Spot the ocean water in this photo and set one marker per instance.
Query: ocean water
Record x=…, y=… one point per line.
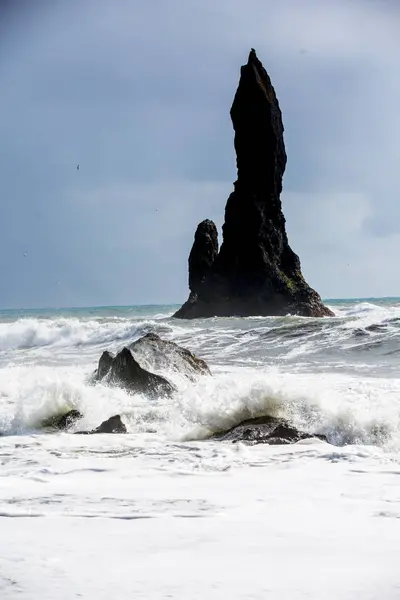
x=165, y=513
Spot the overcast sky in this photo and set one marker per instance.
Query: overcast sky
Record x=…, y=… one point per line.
x=138, y=92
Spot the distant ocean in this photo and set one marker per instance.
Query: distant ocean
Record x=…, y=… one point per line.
x=163, y=495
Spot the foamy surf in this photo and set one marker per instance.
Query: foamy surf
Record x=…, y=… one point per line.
x=347, y=409
x=165, y=490
x=25, y=334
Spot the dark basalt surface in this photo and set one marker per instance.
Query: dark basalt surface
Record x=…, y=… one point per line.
x=156, y=353
x=125, y=371
x=255, y=272
x=265, y=430
x=203, y=254
x=133, y=367
x=111, y=425
x=63, y=422
x=67, y=420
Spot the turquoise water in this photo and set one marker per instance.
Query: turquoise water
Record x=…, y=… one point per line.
x=148, y=310
x=88, y=312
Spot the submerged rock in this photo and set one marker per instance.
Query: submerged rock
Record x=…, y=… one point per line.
x=125, y=371
x=63, y=422
x=155, y=353
x=265, y=430
x=255, y=272
x=111, y=425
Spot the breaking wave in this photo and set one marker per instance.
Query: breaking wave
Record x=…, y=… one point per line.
x=333, y=376
x=36, y=333
x=346, y=410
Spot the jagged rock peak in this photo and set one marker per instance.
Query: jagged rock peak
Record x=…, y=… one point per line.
x=255, y=272
x=257, y=122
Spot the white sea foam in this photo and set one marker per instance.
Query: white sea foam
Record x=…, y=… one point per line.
x=345, y=408
x=62, y=332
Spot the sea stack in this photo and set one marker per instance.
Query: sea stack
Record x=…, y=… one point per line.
x=255, y=271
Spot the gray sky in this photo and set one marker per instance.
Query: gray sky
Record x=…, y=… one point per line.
x=138, y=92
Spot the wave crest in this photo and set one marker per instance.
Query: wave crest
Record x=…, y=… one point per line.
x=37, y=333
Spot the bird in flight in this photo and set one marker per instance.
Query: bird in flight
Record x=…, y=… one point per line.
x=77, y=168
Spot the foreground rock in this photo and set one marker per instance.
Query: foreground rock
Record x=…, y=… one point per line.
x=125, y=371
x=111, y=425
x=265, y=430
x=154, y=353
x=255, y=272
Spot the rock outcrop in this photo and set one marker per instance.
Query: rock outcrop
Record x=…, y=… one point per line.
x=111, y=425
x=125, y=371
x=160, y=355
x=265, y=430
x=63, y=422
x=255, y=272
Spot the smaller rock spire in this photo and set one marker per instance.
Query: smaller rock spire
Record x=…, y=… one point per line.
x=203, y=254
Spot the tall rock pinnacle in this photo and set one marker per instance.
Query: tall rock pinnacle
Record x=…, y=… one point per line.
x=256, y=272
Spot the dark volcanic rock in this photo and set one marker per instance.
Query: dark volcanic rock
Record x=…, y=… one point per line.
x=105, y=362
x=125, y=371
x=265, y=430
x=256, y=272
x=203, y=254
x=155, y=353
x=111, y=425
x=64, y=421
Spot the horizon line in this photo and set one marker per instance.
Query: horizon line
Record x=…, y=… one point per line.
x=153, y=305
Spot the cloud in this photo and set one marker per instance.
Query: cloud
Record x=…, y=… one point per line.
x=139, y=93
